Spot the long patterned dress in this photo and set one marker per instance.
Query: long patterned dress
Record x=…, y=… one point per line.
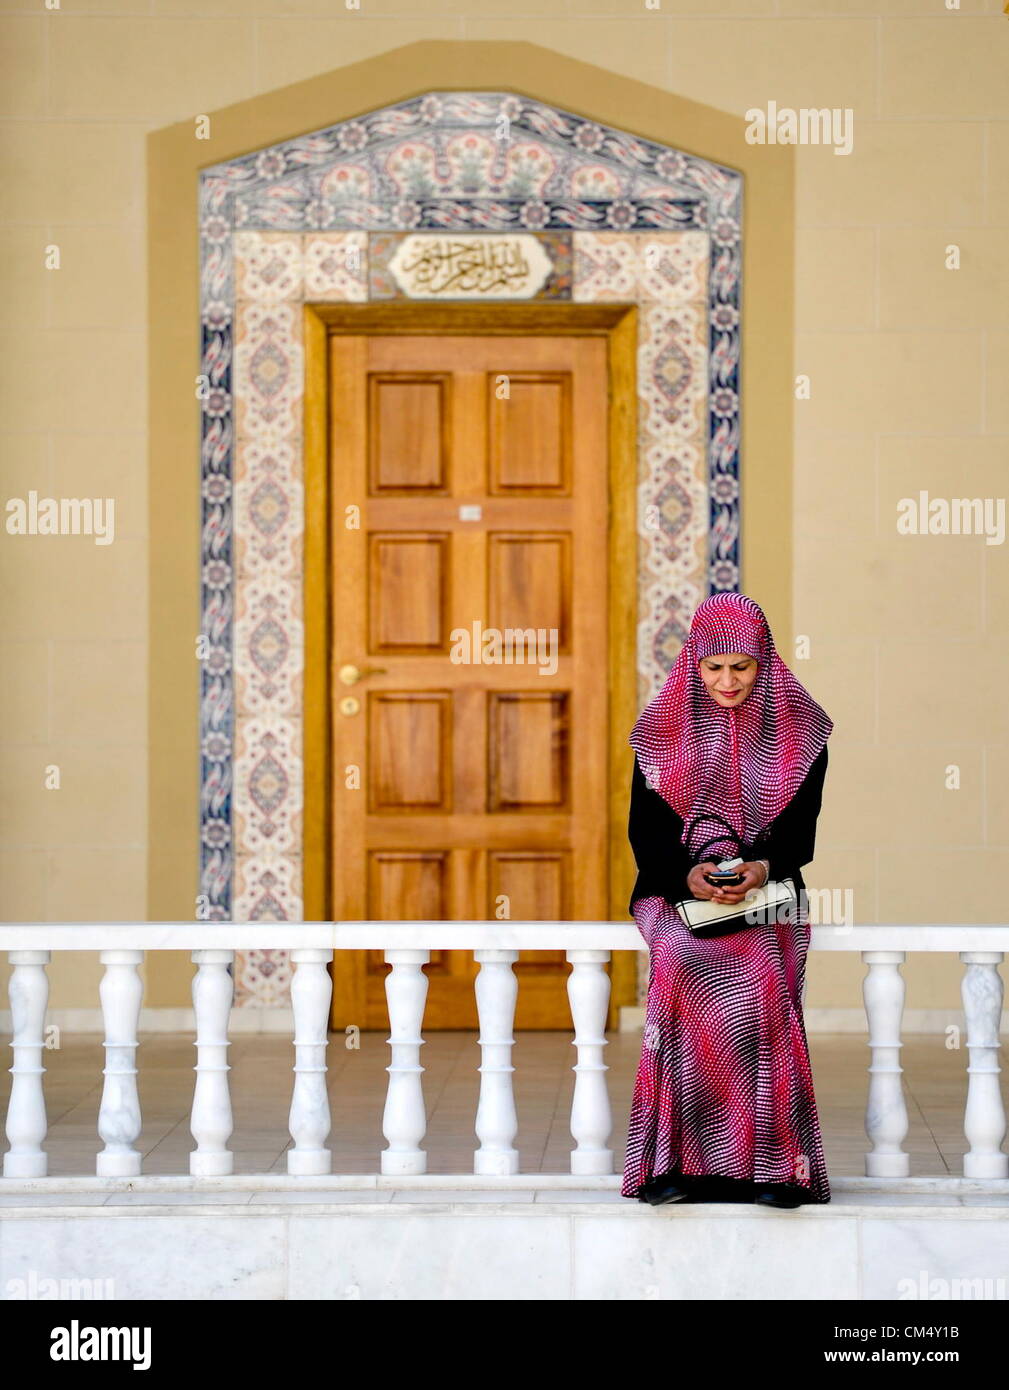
x=724, y=1086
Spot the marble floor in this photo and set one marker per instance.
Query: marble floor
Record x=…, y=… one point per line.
x=934, y=1079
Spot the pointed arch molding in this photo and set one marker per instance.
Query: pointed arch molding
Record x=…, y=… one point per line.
x=315, y=218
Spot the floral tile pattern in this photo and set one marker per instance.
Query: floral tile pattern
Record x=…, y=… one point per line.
x=336, y=266
x=315, y=219
x=268, y=267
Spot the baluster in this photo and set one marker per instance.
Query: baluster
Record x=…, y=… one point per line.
x=496, y=1121
x=404, y=1121
x=28, y=989
x=311, y=990
x=211, y=1121
x=984, y=1121
x=121, y=991
x=591, y=1121
x=886, y=1114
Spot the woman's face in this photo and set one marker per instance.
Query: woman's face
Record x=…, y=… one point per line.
x=729, y=679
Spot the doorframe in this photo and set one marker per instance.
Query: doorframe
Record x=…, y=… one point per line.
x=617, y=323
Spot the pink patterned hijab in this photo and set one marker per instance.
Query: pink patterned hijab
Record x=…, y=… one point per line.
x=742, y=763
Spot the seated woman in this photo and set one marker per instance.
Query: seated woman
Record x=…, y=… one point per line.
x=730, y=762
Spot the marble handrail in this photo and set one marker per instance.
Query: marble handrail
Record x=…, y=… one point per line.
x=407, y=947
x=473, y=935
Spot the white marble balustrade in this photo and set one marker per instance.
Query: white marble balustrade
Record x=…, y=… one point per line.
x=407, y=946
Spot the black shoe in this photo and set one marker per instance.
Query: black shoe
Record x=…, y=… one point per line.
x=785, y=1195
x=661, y=1190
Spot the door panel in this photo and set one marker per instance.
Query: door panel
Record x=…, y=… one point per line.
x=468, y=505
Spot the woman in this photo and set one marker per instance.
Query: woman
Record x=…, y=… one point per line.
x=730, y=761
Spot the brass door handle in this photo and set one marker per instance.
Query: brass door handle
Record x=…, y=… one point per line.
x=350, y=675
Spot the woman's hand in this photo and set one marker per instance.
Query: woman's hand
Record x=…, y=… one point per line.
x=753, y=877
x=697, y=883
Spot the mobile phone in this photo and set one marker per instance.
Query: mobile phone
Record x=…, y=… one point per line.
x=726, y=880
x=726, y=874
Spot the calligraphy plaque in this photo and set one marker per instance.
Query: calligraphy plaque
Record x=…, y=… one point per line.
x=437, y=266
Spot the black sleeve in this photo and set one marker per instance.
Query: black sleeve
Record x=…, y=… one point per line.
x=789, y=840
x=654, y=830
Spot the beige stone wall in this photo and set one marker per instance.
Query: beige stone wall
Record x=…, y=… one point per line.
x=905, y=358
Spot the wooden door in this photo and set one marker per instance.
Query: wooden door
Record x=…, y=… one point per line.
x=468, y=486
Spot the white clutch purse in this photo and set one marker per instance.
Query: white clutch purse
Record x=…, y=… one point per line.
x=776, y=901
